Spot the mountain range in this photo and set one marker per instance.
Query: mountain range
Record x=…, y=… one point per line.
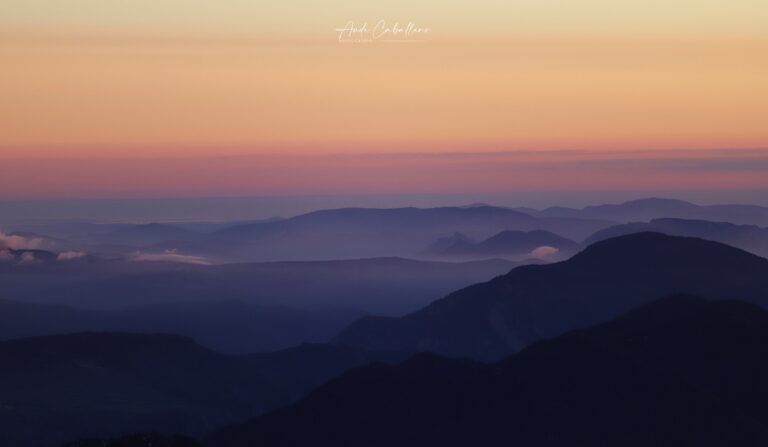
x=347, y=233
x=368, y=232
x=493, y=319
x=557, y=368
x=58, y=388
x=351, y=233
x=679, y=371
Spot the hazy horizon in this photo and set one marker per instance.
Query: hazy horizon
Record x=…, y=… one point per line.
x=223, y=209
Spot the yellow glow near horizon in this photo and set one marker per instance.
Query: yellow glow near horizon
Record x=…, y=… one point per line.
x=87, y=78
x=165, y=97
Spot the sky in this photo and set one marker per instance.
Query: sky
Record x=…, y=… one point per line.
x=234, y=97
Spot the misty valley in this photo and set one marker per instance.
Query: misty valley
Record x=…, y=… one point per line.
x=640, y=323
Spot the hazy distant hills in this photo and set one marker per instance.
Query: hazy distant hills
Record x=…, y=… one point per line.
x=347, y=233
x=493, y=319
x=518, y=245
x=367, y=232
x=390, y=285
x=58, y=388
x=647, y=209
x=350, y=233
x=747, y=237
x=680, y=371
x=232, y=308
x=86, y=229
x=142, y=235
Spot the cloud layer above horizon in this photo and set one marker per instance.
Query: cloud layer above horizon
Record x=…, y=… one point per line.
x=385, y=173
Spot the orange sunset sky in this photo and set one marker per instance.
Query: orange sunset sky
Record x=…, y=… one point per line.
x=234, y=97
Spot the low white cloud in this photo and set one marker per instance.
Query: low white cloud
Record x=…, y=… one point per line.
x=69, y=255
x=17, y=242
x=169, y=256
x=18, y=258
x=7, y=256
x=27, y=258
x=544, y=252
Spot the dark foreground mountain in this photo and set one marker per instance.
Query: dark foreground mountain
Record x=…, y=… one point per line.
x=516, y=245
x=491, y=320
x=58, y=388
x=680, y=371
x=747, y=237
x=138, y=440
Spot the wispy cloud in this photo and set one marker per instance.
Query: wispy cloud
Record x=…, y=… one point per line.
x=543, y=252
x=69, y=255
x=169, y=256
x=20, y=258
x=286, y=174
x=27, y=258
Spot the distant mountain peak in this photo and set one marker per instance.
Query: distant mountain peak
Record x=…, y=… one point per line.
x=751, y=238
x=479, y=205
x=657, y=201
x=650, y=246
x=645, y=209
x=512, y=244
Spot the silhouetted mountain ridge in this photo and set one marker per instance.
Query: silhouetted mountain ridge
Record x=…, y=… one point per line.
x=747, y=237
x=58, y=388
x=679, y=371
x=493, y=319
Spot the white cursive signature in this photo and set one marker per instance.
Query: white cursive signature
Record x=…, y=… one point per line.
x=381, y=32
